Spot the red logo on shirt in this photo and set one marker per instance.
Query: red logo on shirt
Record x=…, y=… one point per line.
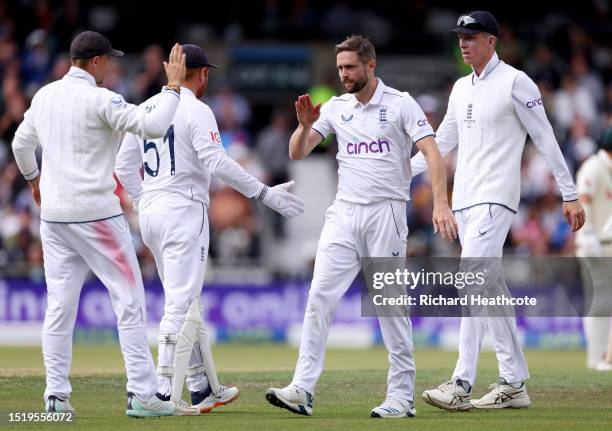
x=215, y=137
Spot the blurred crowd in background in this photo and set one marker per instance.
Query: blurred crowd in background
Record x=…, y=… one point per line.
x=567, y=53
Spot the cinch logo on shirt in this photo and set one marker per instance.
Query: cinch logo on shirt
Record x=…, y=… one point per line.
x=534, y=103
x=368, y=147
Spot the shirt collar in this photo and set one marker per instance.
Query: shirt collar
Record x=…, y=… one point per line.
x=376, y=97
x=603, y=155
x=492, y=64
x=76, y=72
x=186, y=91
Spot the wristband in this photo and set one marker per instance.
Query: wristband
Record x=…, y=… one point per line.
x=263, y=193
x=174, y=87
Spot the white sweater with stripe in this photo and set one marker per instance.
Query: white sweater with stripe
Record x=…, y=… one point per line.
x=80, y=127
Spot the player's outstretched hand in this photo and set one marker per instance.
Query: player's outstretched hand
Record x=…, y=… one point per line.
x=280, y=199
x=307, y=113
x=444, y=222
x=574, y=214
x=175, y=67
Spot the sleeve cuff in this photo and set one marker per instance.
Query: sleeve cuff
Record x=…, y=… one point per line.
x=31, y=175
x=262, y=194
x=322, y=136
x=424, y=135
x=169, y=90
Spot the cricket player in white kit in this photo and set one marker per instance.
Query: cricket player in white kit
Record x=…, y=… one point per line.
x=490, y=112
x=594, y=180
x=172, y=201
x=375, y=126
x=79, y=127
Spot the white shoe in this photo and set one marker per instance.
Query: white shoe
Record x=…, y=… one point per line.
x=449, y=396
x=502, y=396
x=604, y=366
x=55, y=404
x=152, y=407
x=183, y=408
x=292, y=398
x=393, y=408
x=225, y=396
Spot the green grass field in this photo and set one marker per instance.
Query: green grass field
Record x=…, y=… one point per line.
x=565, y=396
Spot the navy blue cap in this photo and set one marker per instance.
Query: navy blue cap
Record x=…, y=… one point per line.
x=89, y=44
x=196, y=57
x=477, y=22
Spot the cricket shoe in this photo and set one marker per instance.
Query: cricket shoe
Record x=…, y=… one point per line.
x=183, y=408
x=55, y=404
x=393, y=409
x=603, y=366
x=292, y=398
x=449, y=395
x=153, y=407
x=503, y=395
x=205, y=400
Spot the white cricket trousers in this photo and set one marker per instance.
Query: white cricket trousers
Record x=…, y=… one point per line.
x=105, y=246
x=175, y=229
x=482, y=232
x=352, y=232
x=597, y=330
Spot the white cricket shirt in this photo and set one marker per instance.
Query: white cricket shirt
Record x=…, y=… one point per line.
x=595, y=180
x=80, y=127
x=183, y=160
x=374, y=143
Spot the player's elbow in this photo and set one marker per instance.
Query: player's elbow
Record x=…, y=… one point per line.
x=19, y=146
x=16, y=146
x=120, y=174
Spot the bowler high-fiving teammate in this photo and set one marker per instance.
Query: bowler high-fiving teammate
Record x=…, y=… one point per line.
x=375, y=126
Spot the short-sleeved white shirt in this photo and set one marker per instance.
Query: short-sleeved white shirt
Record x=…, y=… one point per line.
x=374, y=143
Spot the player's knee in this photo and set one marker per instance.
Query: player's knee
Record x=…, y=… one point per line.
x=175, y=312
x=128, y=317
x=319, y=303
x=60, y=312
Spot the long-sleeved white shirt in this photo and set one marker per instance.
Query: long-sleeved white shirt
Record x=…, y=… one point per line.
x=183, y=160
x=527, y=102
x=80, y=127
x=594, y=180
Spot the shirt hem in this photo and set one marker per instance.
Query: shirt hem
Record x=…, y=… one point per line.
x=484, y=203
x=374, y=201
x=81, y=221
